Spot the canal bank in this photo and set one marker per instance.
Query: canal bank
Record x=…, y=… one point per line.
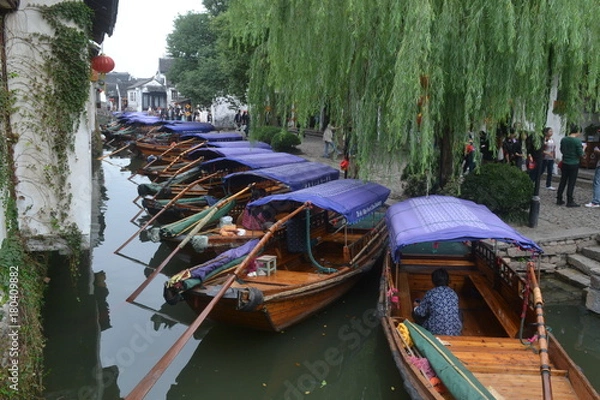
x=563, y=233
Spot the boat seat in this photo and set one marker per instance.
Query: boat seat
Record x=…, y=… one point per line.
x=497, y=304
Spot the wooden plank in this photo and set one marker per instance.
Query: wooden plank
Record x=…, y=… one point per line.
x=484, y=342
x=524, y=386
x=497, y=305
x=283, y=277
x=404, y=299
x=513, y=369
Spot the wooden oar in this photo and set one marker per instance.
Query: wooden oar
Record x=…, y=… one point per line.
x=538, y=302
x=199, y=225
x=114, y=152
x=143, y=387
x=158, y=214
x=184, y=168
x=185, y=189
x=162, y=154
x=183, y=154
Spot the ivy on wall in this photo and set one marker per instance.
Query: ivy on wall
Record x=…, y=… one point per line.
x=61, y=92
x=49, y=91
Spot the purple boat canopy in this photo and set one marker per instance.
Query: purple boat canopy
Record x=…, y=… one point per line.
x=252, y=161
x=239, y=143
x=213, y=136
x=308, y=174
x=354, y=199
x=210, y=153
x=188, y=127
x=139, y=118
x=445, y=218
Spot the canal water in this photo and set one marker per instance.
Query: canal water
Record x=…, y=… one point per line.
x=100, y=346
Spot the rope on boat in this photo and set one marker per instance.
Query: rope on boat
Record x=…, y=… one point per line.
x=526, y=292
x=309, y=248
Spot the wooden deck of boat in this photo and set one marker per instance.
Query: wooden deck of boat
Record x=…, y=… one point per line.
x=507, y=368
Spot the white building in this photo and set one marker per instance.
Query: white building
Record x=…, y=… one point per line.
x=39, y=205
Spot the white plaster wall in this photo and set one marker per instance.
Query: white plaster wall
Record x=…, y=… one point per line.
x=34, y=198
x=2, y=221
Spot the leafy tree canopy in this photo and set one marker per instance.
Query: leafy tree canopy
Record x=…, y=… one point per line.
x=206, y=64
x=405, y=74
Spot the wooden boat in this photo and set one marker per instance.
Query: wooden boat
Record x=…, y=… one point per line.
x=279, y=179
x=504, y=351
x=310, y=257
x=156, y=145
x=197, y=155
x=216, y=169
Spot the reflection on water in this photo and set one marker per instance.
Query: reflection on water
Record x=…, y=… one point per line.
x=341, y=353
x=576, y=328
x=100, y=347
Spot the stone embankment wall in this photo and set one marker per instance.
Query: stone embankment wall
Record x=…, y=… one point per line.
x=574, y=258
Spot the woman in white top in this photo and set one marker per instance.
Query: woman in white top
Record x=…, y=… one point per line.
x=549, y=156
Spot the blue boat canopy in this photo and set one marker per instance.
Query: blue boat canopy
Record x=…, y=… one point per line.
x=445, y=218
x=252, y=161
x=210, y=153
x=188, y=126
x=309, y=174
x=354, y=199
x=240, y=143
x=139, y=118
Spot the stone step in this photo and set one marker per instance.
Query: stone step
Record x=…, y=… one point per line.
x=584, y=264
x=573, y=276
x=592, y=252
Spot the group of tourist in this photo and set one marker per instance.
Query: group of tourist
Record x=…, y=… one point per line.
x=512, y=151
x=572, y=149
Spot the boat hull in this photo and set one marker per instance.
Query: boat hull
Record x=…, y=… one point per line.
x=278, y=312
x=508, y=367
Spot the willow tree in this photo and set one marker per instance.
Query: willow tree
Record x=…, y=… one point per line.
x=412, y=76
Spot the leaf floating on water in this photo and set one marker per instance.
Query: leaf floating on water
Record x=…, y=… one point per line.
x=323, y=383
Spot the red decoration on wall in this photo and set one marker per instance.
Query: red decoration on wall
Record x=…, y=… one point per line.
x=103, y=64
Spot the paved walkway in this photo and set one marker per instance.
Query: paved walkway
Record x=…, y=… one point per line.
x=554, y=222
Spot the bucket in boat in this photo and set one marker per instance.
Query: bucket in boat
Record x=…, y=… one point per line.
x=226, y=220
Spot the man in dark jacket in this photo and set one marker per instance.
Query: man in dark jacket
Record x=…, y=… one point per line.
x=572, y=150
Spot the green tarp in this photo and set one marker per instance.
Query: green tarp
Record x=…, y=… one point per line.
x=456, y=377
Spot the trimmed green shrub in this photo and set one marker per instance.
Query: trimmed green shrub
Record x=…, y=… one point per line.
x=264, y=133
x=285, y=141
x=420, y=184
x=505, y=190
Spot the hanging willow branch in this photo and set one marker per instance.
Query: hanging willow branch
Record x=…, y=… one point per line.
x=404, y=73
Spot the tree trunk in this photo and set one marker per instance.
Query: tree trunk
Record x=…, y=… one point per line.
x=446, y=157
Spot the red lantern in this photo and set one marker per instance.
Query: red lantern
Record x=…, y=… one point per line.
x=103, y=64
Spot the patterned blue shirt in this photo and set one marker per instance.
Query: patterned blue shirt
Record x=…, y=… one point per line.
x=440, y=308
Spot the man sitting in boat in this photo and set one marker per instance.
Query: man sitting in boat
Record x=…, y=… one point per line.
x=438, y=312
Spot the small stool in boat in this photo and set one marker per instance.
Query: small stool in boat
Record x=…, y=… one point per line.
x=267, y=264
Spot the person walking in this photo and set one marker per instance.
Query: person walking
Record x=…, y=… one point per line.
x=549, y=156
x=595, y=203
x=572, y=150
x=329, y=141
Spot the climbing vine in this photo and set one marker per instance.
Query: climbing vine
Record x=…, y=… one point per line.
x=62, y=90
x=39, y=115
